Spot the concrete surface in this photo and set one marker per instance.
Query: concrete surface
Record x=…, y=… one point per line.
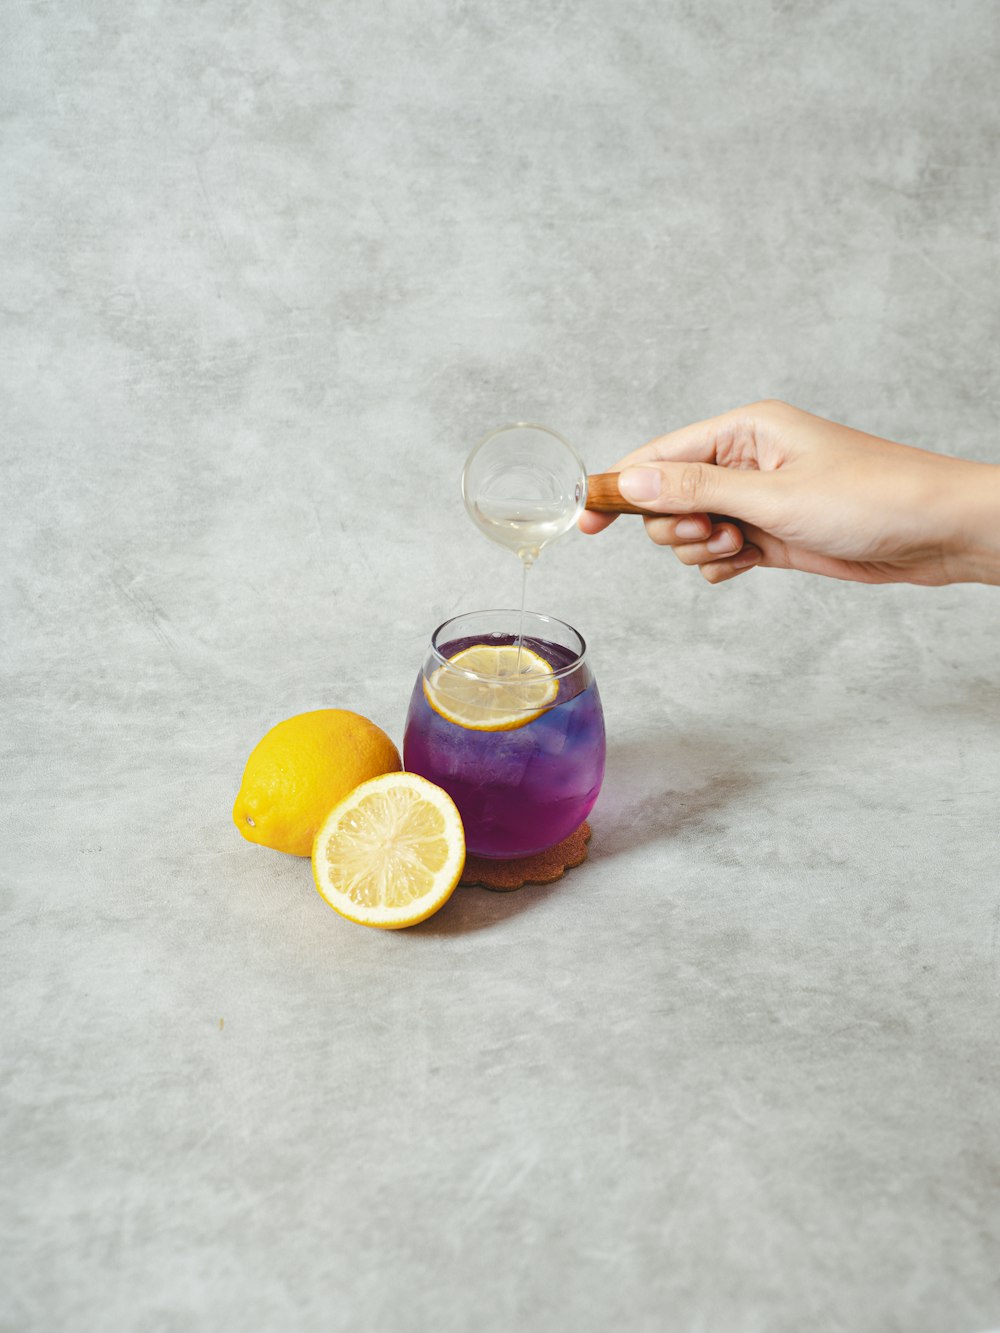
x=268, y=270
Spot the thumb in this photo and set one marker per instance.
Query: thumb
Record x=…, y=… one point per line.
x=700, y=488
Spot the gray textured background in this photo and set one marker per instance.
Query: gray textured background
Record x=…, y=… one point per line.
x=268, y=270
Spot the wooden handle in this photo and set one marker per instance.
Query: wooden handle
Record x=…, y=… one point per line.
x=604, y=496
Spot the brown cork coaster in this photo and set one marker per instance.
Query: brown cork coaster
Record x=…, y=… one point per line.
x=542, y=868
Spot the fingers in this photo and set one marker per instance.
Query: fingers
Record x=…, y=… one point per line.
x=678, y=529
x=721, y=555
x=591, y=522
x=664, y=531
x=720, y=571
x=718, y=548
x=721, y=540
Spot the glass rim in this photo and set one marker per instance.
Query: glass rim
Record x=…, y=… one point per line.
x=559, y=674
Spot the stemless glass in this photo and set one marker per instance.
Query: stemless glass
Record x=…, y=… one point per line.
x=523, y=777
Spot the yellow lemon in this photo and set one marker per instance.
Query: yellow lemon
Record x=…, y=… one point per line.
x=301, y=769
x=486, y=687
x=391, y=853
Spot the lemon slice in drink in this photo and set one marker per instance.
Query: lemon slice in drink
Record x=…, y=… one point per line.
x=391, y=853
x=484, y=688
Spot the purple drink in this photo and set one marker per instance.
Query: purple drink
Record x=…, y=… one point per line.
x=524, y=788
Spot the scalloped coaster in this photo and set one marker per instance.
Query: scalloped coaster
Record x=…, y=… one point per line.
x=542, y=868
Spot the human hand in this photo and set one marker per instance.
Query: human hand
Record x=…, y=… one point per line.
x=772, y=485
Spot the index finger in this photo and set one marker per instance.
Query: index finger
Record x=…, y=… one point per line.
x=698, y=443
x=590, y=521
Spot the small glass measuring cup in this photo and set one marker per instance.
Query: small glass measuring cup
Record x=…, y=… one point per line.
x=525, y=485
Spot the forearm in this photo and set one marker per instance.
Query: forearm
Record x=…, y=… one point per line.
x=975, y=504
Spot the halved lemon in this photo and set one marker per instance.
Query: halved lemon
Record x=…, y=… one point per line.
x=391, y=853
x=484, y=688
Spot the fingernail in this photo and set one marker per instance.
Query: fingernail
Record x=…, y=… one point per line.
x=721, y=542
x=639, y=484
x=690, y=527
x=747, y=557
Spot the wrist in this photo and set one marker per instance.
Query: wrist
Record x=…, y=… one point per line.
x=974, y=551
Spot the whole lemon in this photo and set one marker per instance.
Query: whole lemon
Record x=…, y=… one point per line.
x=301, y=769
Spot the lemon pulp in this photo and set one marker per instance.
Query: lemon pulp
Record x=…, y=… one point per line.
x=486, y=688
x=391, y=853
